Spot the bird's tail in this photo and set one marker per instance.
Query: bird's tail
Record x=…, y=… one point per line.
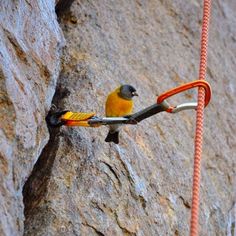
x=113, y=137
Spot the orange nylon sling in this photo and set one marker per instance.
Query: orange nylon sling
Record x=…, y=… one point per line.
x=199, y=121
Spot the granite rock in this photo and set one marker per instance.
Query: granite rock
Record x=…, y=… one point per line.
x=81, y=185
x=143, y=185
x=30, y=43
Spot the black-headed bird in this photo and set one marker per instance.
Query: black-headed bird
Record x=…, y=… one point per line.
x=119, y=103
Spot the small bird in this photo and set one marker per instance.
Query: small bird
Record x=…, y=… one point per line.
x=119, y=103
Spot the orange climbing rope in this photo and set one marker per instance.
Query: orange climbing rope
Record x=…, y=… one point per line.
x=199, y=121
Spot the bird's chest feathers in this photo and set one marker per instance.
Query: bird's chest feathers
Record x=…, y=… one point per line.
x=117, y=106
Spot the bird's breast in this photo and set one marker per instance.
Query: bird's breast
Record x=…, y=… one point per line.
x=117, y=106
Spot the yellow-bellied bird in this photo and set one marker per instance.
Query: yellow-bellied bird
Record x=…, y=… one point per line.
x=119, y=103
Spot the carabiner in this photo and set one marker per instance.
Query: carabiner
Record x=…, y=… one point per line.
x=184, y=87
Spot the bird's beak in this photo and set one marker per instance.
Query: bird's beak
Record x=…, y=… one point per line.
x=134, y=94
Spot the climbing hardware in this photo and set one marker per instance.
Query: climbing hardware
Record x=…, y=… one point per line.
x=69, y=118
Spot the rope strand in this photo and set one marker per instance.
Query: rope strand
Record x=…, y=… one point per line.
x=199, y=122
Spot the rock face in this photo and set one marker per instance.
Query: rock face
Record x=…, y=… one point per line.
x=30, y=42
x=81, y=185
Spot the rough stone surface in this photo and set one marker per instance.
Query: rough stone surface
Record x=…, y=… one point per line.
x=84, y=186
x=30, y=40
x=81, y=185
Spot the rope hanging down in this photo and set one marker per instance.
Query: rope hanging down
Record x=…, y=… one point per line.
x=199, y=121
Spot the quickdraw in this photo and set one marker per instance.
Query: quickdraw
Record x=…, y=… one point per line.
x=69, y=118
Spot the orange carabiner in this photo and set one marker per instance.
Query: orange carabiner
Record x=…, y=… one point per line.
x=184, y=87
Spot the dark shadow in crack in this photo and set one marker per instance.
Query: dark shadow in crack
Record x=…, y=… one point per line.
x=62, y=7
x=36, y=186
